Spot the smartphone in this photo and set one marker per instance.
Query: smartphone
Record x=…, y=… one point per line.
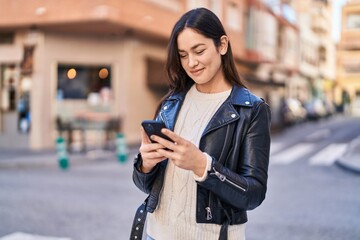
x=153, y=127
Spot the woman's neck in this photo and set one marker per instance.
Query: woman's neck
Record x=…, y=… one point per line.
x=213, y=88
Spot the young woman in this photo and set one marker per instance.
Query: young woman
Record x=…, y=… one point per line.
x=202, y=182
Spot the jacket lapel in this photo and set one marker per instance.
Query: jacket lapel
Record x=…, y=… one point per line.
x=171, y=108
x=227, y=113
x=224, y=115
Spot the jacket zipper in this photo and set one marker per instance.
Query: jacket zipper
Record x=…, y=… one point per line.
x=208, y=208
x=223, y=178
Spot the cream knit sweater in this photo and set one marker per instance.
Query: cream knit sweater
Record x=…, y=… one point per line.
x=174, y=218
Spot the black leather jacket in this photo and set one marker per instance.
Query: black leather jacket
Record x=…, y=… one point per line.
x=238, y=139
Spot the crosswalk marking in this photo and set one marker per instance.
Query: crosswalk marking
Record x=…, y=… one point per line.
x=323, y=157
x=275, y=146
x=328, y=155
x=291, y=154
x=25, y=236
x=319, y=134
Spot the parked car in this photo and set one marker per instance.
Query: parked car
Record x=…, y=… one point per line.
x=315, y=109
x=329, y=107
x=293, y=111
x=355, y=106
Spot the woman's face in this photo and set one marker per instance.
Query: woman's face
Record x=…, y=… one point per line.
x=201, y=60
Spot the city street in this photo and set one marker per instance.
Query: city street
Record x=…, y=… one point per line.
x=309, y=196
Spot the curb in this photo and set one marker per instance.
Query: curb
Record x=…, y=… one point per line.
x=351, y=159
x=49, y=160
x=347, y=166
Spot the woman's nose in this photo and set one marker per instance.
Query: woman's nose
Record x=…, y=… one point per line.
x=192, y=62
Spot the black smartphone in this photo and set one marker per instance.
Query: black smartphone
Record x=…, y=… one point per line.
x=153, y=127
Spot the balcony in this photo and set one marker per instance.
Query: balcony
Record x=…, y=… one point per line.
x=114, y=17
x=352, y=66
x=320, y=24
x=350, y=44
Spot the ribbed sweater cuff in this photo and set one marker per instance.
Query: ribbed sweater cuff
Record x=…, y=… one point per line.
x=207, y=169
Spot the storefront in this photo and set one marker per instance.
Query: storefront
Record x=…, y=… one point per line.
x=68, y=75
x=14, y=92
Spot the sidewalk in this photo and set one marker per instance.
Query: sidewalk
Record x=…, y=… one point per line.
x=351, y=159
x=25, y=158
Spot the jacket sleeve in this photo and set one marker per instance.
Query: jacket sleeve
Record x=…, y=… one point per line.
x=245, y=188
x=143, y=181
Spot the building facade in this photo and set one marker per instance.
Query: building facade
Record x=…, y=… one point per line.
x=322, y=24
x=52, y=55
x=348, y=57
x=65, y=61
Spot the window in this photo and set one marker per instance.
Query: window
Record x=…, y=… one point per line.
x=9, y=83
x=77, y=81
x=352, y=67
x=322, y=54
x=353, y=21
x=7, y=38
x=174, y=5
x=156, y=76
x=233, y=16
x=191, y=4
x=213, y=5
x=27, y=62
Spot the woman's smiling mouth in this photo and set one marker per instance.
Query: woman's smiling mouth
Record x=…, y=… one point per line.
x=197, y=72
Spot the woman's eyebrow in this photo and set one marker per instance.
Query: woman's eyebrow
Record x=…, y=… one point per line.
x=193, y=47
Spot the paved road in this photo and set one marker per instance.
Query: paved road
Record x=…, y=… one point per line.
x=88, y=202
x=309, y=197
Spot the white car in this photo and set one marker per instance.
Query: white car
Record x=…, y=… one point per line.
x=355, y=107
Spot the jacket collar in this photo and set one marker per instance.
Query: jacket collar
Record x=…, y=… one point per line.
x=241, y=96
x=238, y=96
x=226, y=113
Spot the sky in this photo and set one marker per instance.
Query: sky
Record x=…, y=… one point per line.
x=337, y=4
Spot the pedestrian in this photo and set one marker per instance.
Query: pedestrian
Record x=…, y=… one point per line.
x=201, y=183
x=12, y=95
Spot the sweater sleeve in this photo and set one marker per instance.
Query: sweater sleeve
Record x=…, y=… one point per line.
x=207, y=169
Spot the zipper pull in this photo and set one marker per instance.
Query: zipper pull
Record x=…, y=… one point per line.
x=219, y=175
x=208, y=213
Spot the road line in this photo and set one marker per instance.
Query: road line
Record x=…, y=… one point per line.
x=319, y=134
x=275, y=146
x=25, y=236
x=291, y=154
x=328, y=155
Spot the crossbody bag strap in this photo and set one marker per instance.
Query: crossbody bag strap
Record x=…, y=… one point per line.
x=225, y=226
x=137, y=228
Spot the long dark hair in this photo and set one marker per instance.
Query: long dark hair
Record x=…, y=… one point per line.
x=208, y=24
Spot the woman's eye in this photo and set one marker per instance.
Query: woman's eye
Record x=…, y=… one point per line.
x=200, y=51
x=182, y=56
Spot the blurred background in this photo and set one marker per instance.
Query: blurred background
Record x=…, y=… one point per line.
x=84, y=71
x=61, y=62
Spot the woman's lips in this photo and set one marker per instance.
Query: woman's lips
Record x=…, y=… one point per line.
x=197, y=71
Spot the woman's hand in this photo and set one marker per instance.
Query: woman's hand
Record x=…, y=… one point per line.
x=149, y=153
x=182, y=152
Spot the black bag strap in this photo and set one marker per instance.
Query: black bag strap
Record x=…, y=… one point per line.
x=137, y=228
x=225, y=226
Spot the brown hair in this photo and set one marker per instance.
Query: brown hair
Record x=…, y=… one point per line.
x=208, y=24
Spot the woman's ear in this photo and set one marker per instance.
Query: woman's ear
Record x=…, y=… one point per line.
x=224, y=43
